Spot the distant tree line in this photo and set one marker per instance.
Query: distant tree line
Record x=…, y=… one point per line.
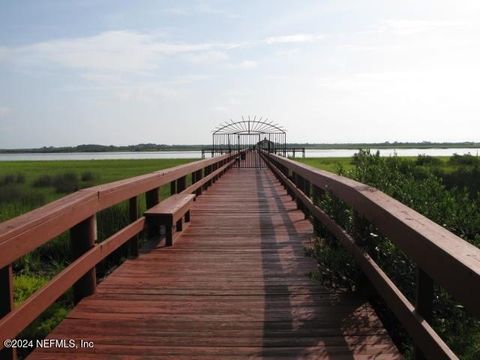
x=104, y=148
x=163, y=147
x=390, y=145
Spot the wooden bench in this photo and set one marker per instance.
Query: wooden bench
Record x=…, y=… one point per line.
x=170, y=212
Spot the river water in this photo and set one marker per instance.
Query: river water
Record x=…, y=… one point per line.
x=197, y=154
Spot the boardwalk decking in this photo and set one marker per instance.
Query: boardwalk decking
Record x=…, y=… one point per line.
x=233, y=286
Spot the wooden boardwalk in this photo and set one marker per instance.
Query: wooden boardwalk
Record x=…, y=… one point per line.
x=233, y=286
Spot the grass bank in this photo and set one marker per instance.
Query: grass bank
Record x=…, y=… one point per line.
x=25, y=185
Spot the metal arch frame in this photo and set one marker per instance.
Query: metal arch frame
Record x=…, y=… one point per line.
x=249, y=127
x=247, y=134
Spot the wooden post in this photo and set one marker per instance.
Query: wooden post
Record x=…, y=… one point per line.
x=292, y=177
x=173, y=187
x=152, y=199
x=208, y=171
x=360, y=236
x=198, y=177
x=168, y=234
x=300, y=185
x=6, y=305
x=82, y=238
x=133, y=216
x=181, y=184
x=317, y=195
x=179, y=225
x=306, y=190
x=307, y=187
x=424, y=301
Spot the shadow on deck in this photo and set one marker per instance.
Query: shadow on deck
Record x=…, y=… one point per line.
x=235, y=285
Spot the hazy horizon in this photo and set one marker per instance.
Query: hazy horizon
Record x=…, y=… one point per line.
x=168, y=72
x=207, y=144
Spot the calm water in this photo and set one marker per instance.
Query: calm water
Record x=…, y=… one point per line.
x=390, y=152
x=103, y=155
x=197, y=154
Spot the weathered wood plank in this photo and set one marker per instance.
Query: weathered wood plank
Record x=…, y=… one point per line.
x=235, y=285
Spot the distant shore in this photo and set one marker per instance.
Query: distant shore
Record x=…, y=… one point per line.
x=161, y=147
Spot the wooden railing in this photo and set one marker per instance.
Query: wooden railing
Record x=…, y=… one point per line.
x=77, y=213
x=439, y=255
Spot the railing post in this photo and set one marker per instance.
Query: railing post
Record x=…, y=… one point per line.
x=152, y=198
x=293, y=178
x=360, y=236
x=173, y=187
x=82, y=238
x=306, y=190
x=424, y=302
x=198, y=177
x=208, y=171
x=181, y=184
x=6, y=305
x=317, y=195
x=133, y=216
x=214, y=167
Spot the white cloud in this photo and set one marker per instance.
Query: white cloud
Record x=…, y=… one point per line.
x=208, y=57
x=295, y=38
x=188, y=79
x=411, y=27
x=202, y=8
x=113, y=52
x=246, y=64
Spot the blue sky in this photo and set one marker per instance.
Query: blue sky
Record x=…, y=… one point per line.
x=125, y=72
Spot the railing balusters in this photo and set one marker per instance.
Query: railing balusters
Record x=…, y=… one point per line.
x=82, y=238
x=424, y=302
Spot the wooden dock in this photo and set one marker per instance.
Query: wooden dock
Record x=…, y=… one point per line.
x=235, y=285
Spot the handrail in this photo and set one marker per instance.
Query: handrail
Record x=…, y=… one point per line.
x=24, y=233
x=76, y=212
x=439, y=255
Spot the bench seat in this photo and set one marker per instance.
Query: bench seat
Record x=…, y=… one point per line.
x=172, y=211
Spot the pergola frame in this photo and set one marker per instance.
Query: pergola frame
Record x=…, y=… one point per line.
x=249, y=133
